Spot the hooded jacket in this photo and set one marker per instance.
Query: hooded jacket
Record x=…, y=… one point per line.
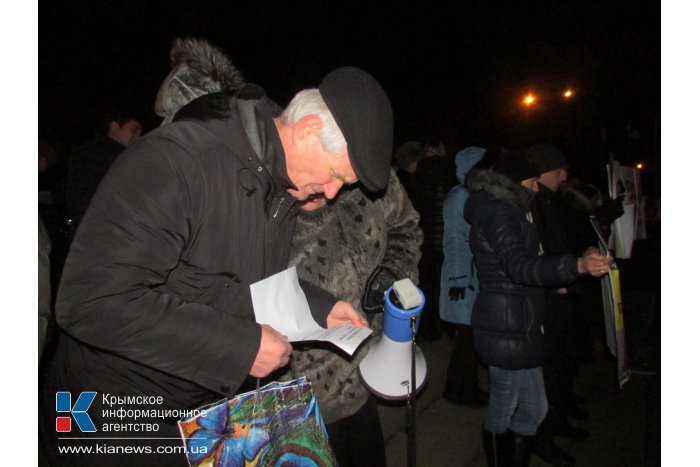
x=198, y=68
x=508, y=311
x=155, y=293
x=458, y=265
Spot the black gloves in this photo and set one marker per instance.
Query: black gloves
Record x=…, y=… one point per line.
x=611, y=209
x=456, y=293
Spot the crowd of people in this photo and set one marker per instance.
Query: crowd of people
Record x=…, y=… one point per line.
x=167, y=231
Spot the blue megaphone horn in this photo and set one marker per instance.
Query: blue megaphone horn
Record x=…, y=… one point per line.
x=386, y=369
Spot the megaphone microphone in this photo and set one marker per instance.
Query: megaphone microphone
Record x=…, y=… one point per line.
x=387, y=368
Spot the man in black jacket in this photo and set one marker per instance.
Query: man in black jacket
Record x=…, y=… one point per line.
x=154, y=306
x=560, y=364
x=89, y=164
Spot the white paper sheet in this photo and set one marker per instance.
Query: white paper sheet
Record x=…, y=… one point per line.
x=278, y=301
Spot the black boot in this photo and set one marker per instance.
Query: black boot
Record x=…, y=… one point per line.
x=579, y=413
x=461, y=382
x=549, y=452
x=498, y=448
x=559, y=425
x=521, y=449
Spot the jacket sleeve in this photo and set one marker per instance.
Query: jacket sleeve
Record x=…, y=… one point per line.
x=502, y=227
x=404, y=236
x=114, y=294
x=320, y=301
x=455, y=240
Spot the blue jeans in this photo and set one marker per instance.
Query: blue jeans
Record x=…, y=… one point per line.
x=517, y=400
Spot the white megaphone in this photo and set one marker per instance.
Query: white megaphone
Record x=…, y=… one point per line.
x=386, y=369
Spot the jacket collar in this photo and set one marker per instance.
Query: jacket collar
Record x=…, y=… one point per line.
x=545, y=192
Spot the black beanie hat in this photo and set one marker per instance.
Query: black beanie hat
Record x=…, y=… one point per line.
x=516, y=166
x=363, y=113
x=547, y=157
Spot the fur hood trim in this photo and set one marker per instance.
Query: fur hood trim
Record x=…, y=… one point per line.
x=198, y=68
x=500, y=186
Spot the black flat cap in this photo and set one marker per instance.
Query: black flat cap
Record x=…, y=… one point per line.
x=363, y=113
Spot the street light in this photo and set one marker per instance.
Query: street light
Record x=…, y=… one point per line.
x=529, y=99
x=568, y=94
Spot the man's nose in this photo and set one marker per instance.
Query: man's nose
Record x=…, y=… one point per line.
x=331, y=189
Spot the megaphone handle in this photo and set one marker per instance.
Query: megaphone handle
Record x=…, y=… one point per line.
x=411, y=409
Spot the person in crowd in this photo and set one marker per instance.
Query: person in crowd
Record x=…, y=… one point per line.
x=47, y=157
x=433, y=178
x=458, y=289
x=560, y=364
x=90, y=162
x=44, y=285
x=354, y=247
x=564, y=320
x=155, y=299
x=406, y=158
x=508, y=312
x=52, y=193
x=574, y=204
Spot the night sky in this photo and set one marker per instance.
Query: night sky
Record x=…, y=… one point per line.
x=453, y=70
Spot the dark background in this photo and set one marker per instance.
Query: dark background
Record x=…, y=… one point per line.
x=453, y=70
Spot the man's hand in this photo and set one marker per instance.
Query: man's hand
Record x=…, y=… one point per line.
x=344, y=313
x=594, y=263
x=456, y=293
x=274, y=352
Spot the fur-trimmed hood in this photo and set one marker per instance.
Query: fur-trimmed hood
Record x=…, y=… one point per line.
x=198, y=68
x=500, y=187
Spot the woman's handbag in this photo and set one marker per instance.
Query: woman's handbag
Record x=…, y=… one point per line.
x=278, y=424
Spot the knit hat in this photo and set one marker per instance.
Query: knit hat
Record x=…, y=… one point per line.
x=547, y=157
x=516, y=166
x=364, y=115
x=198, y=68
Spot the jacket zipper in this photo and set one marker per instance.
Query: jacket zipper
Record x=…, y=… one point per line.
x=278, y=207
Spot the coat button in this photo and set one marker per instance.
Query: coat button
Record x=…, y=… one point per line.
x=225, y=388
x=227, y=285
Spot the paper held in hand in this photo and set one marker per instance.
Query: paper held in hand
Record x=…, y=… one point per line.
x=279, y=302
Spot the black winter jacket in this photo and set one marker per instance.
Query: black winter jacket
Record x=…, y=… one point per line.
x=430, y=183
x=87, y=166
x=155, y=293
x=508, y=312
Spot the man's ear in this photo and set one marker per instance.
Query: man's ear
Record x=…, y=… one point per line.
x=309, y=125
x=112, y=128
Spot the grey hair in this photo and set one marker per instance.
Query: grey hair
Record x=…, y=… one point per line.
x=310, y=102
